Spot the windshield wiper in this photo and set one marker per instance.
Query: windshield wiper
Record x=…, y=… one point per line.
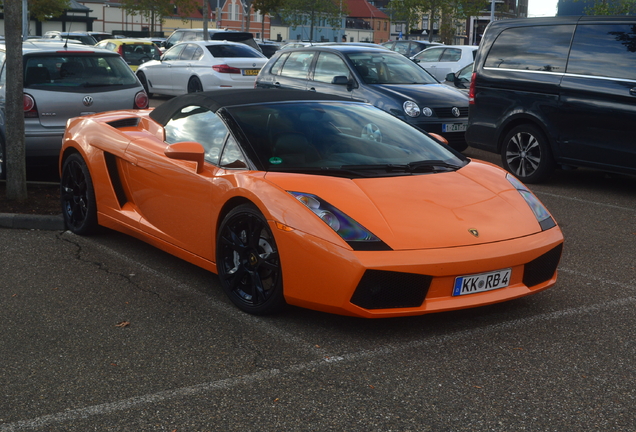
x=412, y=167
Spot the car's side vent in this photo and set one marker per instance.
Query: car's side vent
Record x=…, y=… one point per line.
x=542, y=269
x=379, y=289
x=115, y=180
x=127, y=122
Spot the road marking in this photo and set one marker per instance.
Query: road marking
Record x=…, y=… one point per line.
x=585, y=201
x=326, y=361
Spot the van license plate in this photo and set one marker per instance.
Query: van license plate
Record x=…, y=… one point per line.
x=453, y=127
x=481, y=282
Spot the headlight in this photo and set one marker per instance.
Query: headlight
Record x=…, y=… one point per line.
x=357, y=236
x=540, y=212
x=411, y=109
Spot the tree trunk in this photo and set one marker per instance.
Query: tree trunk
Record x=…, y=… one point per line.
x=15, y=153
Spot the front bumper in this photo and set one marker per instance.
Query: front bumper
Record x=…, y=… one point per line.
x=319, y=275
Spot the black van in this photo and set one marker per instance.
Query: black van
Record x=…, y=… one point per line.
x=550, y=92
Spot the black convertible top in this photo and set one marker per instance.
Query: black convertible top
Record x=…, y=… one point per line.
x=217, y=99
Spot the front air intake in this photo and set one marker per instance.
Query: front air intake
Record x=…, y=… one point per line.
x=542, y=269
x=379, y=289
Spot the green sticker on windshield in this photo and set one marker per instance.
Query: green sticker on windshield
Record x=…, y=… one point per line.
x=275, y=160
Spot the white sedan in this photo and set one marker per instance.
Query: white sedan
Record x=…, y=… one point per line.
x=441, y=60
x=196, y=66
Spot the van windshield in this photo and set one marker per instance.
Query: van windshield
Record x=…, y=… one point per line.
x=76, y=72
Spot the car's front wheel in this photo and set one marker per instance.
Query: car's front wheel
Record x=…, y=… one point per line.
x=79, y=206
x=248, y=262
x=526, y=154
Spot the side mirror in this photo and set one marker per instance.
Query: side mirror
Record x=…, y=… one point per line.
x=187, y=150
x=450, y=77
x=340, y=80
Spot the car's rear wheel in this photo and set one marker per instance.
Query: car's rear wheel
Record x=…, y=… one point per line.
x=248, y=262
x=194, y=85
x=144, y=82
x=526, y=154
x=79, y=206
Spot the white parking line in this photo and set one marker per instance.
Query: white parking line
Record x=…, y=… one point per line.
x=389, y=349
x=630, y=209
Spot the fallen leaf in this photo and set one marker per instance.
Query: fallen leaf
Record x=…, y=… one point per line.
x=371, y=386
x=123, y=324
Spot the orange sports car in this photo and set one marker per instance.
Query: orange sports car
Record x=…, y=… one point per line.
x=302, y=198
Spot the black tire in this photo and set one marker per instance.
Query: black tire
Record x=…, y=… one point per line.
x=77, y=195
x=194, y=85
x=144, y=83
x=3, y=160
x=526, y=154
x=248, y=262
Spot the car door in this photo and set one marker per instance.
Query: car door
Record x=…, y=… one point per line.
x=159, y=72
x=294, y=72
x=429, y=60
x=183, y=68
x=175, y=202
x=598, y=91
x=326, y=67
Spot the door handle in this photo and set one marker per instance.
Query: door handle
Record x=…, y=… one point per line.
x=632, y=91
x=277, y=84
x=312, y=89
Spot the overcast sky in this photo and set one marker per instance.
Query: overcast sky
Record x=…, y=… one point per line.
x=539, y=8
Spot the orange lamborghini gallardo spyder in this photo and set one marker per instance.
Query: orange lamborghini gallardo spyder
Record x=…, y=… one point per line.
x=307, y=199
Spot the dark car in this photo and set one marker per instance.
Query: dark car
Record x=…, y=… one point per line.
x=409, y=47
x=269, y=47
x=189, y=35
x=383, y=78
x=551, y=92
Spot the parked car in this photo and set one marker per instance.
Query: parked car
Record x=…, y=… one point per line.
x=83, y=37
x=551, y=92
x=134, y=51
x=460, y=79
x=191, y=35
x=409, y=48
x=63, y=81
x=268, y=48
x=199, y=66
x=100, y=36
x=381, y=77
x=441, y=60
x=313, y=200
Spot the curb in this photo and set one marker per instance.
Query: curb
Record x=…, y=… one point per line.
x=26, y=221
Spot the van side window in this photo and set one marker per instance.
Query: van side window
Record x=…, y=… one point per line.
x=604, y=50
x=535, y=48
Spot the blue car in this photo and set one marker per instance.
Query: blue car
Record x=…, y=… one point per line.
x=377, y=76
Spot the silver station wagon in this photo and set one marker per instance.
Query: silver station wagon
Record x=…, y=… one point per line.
x=63, y=81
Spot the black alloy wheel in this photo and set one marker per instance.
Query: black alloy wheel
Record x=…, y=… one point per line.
x=526, y=154
x=79, y=207
x=248, y=262
x=194, y=85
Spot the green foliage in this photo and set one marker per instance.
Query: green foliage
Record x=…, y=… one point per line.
x=612, y=7
x=267, y=7
x=301, y=12
x=45, y=9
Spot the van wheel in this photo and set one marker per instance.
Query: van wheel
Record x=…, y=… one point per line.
x=526, y=154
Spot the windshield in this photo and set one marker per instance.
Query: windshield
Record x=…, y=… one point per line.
x=389, y=68
x=69, y=72
x=339, y=138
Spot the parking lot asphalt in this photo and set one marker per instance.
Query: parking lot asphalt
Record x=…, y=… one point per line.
x=106, y=333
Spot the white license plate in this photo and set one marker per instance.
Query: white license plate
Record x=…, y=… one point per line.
x=481, y=282
x=453, y=127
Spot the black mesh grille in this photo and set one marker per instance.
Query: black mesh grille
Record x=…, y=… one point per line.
x=542, y=269
x=448, y=112
x=380, y=289
x=128, y=122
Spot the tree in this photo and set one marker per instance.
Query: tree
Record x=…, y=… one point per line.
x=301, y=12
x=157, y=9
x=43, y=10
x=16, y=164
x=611, y=7
x=266, y=7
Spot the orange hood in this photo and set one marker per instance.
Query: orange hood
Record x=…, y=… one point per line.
x=426, y=211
